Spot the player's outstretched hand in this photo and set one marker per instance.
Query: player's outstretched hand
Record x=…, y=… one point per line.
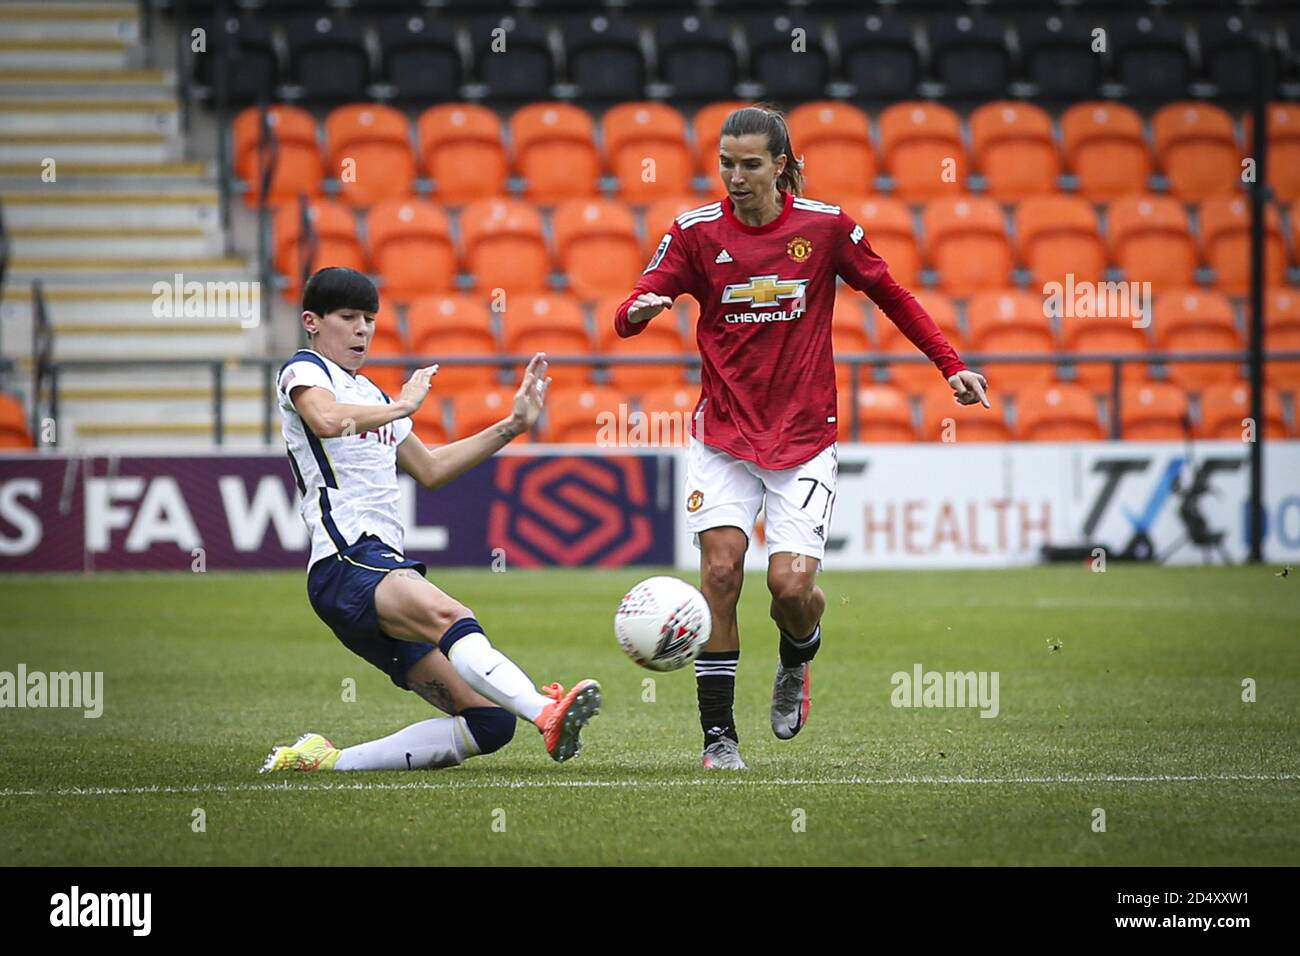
x=646, y=306
x=415, y=390
x=531, y=395
x=971, y=387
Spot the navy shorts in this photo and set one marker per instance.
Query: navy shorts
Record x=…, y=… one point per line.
x=342, y=593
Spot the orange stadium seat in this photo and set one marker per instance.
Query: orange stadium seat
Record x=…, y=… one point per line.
x=453, y=325
x=966, y=240
x=552, y=323
x=337, y=244
x=555, y=151
x=1007, y=320
x=369, y=149
x=917, y=141
x=429, y=421
x=677, y=402
x=1197, y=320
x=1150, y=240
x=1013, y=148
x=1282, y=333
x=298, y=165
x=596, y=246
x=410, y=245
x=13, y=425
x=849, y=333
x=475, y=409
x=661, y=337
x=1225, y=237
x=1197, y=149
x=502, y=245
x=1153, y=411
x=1283, y=148
x=834, y=140
x=1060, y=412
x=890, y=233
x=918, y=377
x=637, y=132
x=707, y=127
x=1059, y=235
x=1105, y=149
x=576, y=415
x=461, y=148
x=1224, y=406
x=1105, y=333
x=942, y=417
x=387, y=343
x=884, y=414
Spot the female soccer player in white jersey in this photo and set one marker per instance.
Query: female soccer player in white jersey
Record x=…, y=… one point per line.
x=762, y=263
x=346, y=439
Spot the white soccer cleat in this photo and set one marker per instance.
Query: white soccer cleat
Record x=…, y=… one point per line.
x=791, y=699
x=723, y=754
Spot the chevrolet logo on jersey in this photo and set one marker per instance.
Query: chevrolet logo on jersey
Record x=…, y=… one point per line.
x=766, y=291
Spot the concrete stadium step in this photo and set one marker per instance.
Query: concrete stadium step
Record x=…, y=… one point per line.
x=95, y=270
x=46, y=53
x=106, y=84
x=113, y=243
x=163, y=177
x=32, y=150
x=95, y=435
x=98, y=302
x=81, y=115
x=48, y=208
x=158, y=406
x=71, y=21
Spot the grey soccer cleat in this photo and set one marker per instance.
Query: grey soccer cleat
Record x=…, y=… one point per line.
x=723, y=754
x=791, y=699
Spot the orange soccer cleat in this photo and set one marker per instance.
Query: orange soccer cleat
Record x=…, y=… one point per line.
x=562, y=721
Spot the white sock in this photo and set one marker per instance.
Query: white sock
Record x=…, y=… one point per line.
x=496, y=677
x=428, y=745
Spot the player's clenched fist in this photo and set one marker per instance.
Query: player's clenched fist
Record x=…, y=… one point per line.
x=646, y=306
x=415, y=390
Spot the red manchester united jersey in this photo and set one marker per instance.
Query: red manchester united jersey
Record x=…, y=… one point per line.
x=766, y=294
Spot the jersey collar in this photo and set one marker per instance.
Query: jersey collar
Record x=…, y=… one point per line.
x=781, y=217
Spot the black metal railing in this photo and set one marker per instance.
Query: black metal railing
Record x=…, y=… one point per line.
x=268, y=159
x=858, y=362
x=45, y=382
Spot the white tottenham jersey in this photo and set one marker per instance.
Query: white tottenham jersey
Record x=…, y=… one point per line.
x=349, y=483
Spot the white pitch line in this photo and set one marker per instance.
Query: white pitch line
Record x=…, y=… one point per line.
x=651, y=784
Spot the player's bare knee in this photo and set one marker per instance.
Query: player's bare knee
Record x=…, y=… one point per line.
x=441, y=613
x=790, y=592
x=721, y=578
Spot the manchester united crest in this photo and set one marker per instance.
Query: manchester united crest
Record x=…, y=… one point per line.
x=799, y=249
x=694, y=501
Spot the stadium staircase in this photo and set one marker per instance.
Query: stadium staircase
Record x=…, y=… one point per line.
x=126, y=209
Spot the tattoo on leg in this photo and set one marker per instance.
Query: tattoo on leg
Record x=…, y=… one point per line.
x=436, y=693
x=404, y=573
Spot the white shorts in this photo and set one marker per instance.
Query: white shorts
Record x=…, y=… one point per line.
x=725, y=491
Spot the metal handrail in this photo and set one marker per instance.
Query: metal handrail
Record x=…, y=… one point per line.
x=857, y=361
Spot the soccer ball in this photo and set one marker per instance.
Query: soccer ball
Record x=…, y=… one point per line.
x=663, y=623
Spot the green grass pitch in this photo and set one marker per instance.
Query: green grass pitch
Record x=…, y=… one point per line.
x=1119, y=690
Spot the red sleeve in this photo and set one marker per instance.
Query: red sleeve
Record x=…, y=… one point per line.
x=671, y=272
x=858, y=265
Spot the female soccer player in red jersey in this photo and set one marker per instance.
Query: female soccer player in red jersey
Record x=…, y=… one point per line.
x=762, y=263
